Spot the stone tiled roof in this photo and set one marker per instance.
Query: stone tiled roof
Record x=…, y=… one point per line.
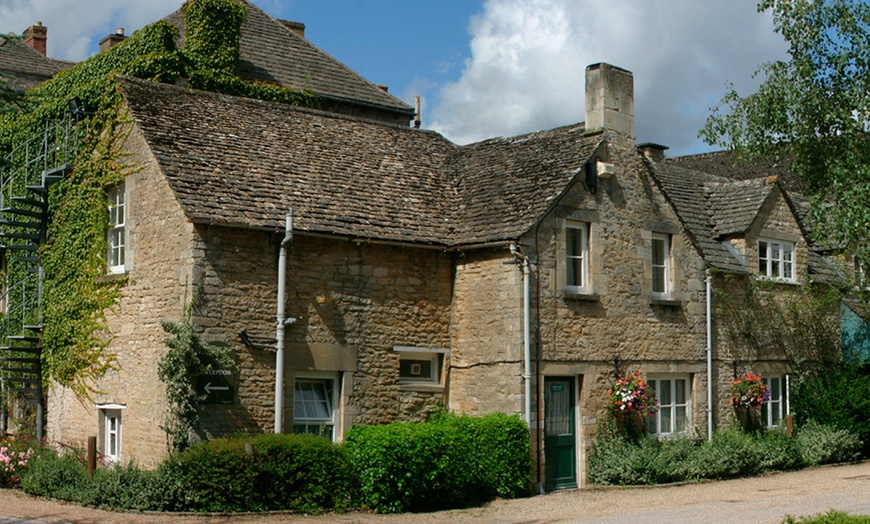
x=242, y=162
x=506, y=181
x=272, y=52
x=727, y=165
x=735, y=205
x=692, y=194
x=23, y=67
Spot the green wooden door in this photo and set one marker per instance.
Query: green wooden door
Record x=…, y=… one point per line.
x=559, y=443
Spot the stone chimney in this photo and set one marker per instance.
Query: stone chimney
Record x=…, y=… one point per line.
x=36, y=36
x=655, y=152
x=610, y=100
x=296, y=27
x=112, y=40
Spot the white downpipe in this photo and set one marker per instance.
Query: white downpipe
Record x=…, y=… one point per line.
x=709, y=281
x=523, y=261
x=281, y=322
x=527, y=346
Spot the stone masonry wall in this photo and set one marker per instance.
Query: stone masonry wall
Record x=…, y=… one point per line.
x=353, y=302
x=486, y=373
x=618, y=318
x=157, y=285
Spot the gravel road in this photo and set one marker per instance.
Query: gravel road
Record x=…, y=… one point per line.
x=764, y=499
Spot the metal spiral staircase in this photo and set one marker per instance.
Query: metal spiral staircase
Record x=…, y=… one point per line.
x=25, y=177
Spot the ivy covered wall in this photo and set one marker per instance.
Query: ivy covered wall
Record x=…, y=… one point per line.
x=75, y=339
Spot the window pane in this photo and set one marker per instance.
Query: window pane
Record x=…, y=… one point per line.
x=658, y=251
x=762, y=258
x=558, y=412
x=665, y=393
x=680, y=391
x=665, y=412
x=574, y=239
x=658, y=280
x=680, y=422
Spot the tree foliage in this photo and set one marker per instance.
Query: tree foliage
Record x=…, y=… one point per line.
x=814, y=109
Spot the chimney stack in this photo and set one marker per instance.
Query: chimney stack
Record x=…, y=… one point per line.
x=610, y=100
x=112, y=40
x=655, y=152
x=36, y=36
x=296, y=27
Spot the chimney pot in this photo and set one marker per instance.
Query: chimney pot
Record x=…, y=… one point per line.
x=111, y=40
x=36, y=36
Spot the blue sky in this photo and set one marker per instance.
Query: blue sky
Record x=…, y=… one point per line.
x=493, y=67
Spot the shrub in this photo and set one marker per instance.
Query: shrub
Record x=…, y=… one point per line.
x=502, y=449
x=731, y=453
x=61, y=476
x=838, y=397
x=413, y=467
x=820, y=444
x=279, y=472
x=449, y=462
x=14, y=457
x=777, y=451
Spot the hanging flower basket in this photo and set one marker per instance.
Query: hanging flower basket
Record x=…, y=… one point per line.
x=631, y=402
x=748, y=391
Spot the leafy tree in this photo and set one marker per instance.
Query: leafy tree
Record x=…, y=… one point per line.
x=814, y=109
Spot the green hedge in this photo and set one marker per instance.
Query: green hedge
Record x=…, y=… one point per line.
x=279, y=472
x=450, y=462
x=730, y=454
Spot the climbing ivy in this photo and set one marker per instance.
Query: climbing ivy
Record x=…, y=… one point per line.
x=76, y=293
x=187, y=360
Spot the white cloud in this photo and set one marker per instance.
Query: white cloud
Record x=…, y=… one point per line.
x=528, y=57
x=74, y=25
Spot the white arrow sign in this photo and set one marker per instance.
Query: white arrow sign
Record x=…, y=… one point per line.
x=209, y=388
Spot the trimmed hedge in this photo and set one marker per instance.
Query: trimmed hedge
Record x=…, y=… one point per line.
x=449, y=462
x=279, y=472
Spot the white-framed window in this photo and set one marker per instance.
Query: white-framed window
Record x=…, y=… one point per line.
x=577, y=257
x=314, y=402
x=661, y=265
x=111, y=432
x=775, y=408
x=776, y=260
x=674, y=414
x=116, y=236
x=420, y=365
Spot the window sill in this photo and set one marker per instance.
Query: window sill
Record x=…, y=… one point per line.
x=665, y=302
x=421, y=387
x=112, y=277
x=577, y=295
x=762, y=278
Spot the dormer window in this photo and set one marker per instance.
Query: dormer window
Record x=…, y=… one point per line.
x=776, y=260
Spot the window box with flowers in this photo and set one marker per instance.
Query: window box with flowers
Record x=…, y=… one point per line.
x=748, y=393
x=631, y=402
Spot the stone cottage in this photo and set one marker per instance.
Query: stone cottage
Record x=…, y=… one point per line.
x=513, y=275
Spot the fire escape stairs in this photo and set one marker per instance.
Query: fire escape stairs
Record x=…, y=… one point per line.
x=25, y=178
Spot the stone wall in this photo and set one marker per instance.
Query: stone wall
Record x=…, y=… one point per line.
x=486, y=372
x=157, y=285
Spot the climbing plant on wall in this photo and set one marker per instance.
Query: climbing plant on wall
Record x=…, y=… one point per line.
x=187, y=360
x=75, y=339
